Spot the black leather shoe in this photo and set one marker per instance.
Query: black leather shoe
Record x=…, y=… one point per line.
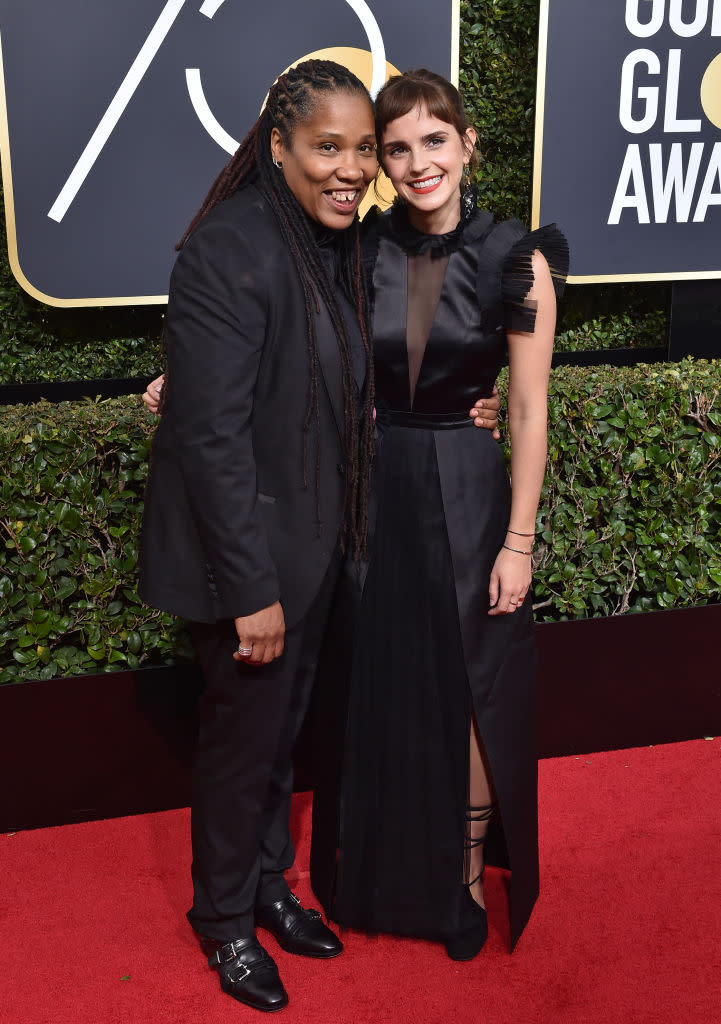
x=297, y=930
x=247, y=972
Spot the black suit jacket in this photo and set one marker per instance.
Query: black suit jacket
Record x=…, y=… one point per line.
x=230, y=526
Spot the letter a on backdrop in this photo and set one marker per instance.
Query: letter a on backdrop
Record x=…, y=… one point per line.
x=628, y=136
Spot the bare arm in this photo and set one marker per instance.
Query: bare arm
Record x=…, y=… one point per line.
x=530, y=364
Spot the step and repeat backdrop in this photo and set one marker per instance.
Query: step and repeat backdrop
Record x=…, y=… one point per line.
x=628, y=140
x=115, y=117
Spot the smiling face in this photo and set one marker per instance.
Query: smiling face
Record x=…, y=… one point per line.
x=331, y=158
x=424, y=158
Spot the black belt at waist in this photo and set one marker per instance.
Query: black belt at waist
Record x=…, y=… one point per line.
x=429, y=421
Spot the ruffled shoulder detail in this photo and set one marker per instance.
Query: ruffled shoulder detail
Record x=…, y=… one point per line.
x=517, y=273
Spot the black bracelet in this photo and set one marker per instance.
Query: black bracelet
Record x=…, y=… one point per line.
x=517, y=550
x=520, y=534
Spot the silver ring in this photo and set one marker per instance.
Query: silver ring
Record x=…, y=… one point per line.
x=245, y=651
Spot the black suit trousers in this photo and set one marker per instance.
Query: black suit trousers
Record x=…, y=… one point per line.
x=242, y=775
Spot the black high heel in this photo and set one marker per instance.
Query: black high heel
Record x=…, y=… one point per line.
x=472, y=932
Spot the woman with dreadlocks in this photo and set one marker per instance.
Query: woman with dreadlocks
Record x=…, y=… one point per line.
x=258, y=483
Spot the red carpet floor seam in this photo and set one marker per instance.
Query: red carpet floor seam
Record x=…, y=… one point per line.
x=627, y=929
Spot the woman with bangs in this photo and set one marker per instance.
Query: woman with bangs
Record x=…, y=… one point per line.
x=439, y=770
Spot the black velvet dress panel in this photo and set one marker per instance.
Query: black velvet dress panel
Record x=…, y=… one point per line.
x=426, y=653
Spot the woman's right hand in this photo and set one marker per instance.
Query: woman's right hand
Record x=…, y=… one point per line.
x=152, y=393
x=262, y=634
x=510, y=580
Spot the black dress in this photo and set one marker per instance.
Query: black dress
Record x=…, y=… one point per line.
x=426, y=653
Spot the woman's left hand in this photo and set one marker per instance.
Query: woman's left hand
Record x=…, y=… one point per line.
x=510, y=580
x=485, y=413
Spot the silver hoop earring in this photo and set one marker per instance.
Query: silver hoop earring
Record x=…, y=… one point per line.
x=277, y=163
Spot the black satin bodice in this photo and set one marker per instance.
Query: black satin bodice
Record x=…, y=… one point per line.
x=466, y=346
x=488, y=277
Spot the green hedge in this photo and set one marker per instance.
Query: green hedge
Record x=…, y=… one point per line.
x=644, y=330
x=497, y=76
x=72, y=477
x=43, y=343
x=630, y=516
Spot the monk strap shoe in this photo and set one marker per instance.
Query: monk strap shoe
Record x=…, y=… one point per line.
x=247, y=972
x=297, y=930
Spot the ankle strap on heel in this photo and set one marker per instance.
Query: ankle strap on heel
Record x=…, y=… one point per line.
x=483, y=813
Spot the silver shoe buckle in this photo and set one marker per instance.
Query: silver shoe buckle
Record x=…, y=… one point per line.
x=235, y=977
x=226, y=953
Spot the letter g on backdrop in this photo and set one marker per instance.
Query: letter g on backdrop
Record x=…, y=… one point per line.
x=116, y=116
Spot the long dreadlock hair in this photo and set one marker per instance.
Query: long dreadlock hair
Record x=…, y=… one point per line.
x=290, y=100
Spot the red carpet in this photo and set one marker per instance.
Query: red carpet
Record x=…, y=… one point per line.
x=627, y=929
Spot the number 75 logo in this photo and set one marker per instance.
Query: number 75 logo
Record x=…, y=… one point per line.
x=115, y=117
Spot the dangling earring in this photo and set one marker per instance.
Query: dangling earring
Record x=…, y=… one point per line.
x=277, y=163
x=469, y=194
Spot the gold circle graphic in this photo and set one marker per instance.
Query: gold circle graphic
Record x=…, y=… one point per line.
x=711, y=91
x=360, y=62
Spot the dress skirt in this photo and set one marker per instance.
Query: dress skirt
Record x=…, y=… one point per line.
x=406, y=749
x=388, y=843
